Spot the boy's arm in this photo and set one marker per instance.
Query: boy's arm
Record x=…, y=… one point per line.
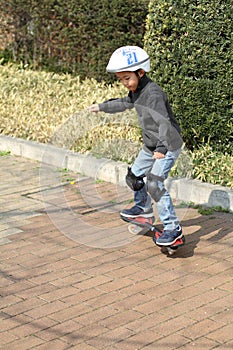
x=116, y=105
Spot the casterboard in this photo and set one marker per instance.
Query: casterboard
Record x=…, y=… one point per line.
x=141, y=225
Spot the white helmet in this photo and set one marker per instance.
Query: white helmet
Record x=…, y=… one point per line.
x=128, y=58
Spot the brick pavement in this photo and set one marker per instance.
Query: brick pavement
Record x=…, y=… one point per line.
x=72, y=277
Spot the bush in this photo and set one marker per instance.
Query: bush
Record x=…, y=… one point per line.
x=213, y=167
x=206, y=165
x=191, y=49
x=70, y=36
x=119, y=140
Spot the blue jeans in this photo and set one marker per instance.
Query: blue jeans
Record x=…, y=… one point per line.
x=144, y=164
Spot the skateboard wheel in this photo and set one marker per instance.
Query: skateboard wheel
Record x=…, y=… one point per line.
x=134, y=229
x=171, y=251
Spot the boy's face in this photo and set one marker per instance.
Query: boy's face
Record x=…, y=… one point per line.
x=130, y=79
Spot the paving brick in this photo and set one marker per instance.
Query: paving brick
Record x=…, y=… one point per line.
x=201, y=343
x=9, y=300
x=69, y=313
x=113, y=256
x=8, y=323
x=158, y=275
x=26, y=273
x=47, y=277
x=46, y=309
x=84, y=296
x=226, y=345
x=16, y=287
x=212, y=310
x=139, y=340
x=88, y=331
x=85, y=334
x=95, y=316
x=147, y=322
x=117, y=284
x=127, y=271
x=225, y=315
x=90, y=255
x=71, y=278
x=23, y=343
x=23, y=254
x=36, y=291
x=138, y=287
x=120, y=319
x=110, y=337
x=12, y=251
x=59, y=293
x=218, y=267
x=154, y=305
x=105, y=267
x=93, y=282
x=156, y=290
x=83, y=346
x=58, y=331
x=200, y=329
x=126, y=303
x=55, y=344
x=169, y=342
x=7, y=337
x=222, y=335
x=33, y=327
x=23, y=306
x=228, y=286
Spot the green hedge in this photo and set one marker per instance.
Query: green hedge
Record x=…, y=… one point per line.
x=70, y=36
x=190, y=44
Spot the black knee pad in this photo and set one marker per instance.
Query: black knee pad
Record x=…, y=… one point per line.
x=136, y=183
x=153, y=187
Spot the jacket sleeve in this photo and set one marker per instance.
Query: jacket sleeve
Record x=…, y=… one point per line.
x=116, y=105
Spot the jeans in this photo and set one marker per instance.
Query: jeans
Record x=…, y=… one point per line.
x=144, y=164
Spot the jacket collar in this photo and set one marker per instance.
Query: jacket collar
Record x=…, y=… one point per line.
x=142, y=83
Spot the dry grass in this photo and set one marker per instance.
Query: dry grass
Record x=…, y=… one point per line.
x=34, y=104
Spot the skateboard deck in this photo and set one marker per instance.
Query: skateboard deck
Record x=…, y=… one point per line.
x=142, y=225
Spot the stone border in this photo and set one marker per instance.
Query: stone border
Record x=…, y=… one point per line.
x=187, y=190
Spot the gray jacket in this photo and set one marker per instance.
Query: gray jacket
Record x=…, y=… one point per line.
x=160, y=130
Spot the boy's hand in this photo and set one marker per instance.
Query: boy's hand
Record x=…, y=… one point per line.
x=158, y=155
x=94, y=108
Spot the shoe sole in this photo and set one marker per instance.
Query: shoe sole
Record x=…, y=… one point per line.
x=167, y=244
x=139, y=221
x=138, y=216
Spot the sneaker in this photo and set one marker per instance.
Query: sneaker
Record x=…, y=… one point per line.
x=136, y=211
x=168, y=238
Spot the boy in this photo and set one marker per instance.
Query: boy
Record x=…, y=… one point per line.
x=161, y=136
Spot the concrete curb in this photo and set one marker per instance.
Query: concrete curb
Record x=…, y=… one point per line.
x=184, y=189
